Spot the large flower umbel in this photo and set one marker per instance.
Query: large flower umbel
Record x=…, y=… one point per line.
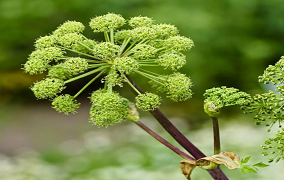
x=66, y=55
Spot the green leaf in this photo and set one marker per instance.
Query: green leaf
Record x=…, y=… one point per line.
x=261, y=164
x=248, y=169
x=245, y=160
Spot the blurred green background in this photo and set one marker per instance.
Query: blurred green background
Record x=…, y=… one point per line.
x=235, y=40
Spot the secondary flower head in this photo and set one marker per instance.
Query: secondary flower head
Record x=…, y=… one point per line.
x=147, y=101
x=140, y=21
x=65, y=104
x=107, y=22
x=108, y=108
x=48, y=88
x=216, y=98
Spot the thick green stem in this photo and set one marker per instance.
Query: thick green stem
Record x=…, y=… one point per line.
x=216, y=134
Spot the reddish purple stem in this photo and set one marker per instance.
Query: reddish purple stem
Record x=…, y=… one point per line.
x=216, y=173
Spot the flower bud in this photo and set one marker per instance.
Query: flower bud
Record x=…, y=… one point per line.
x=179, y=43
x=143, y=51
x=106, y=22
x=172, y=60
x=140, y=21
x=108, y=108
x=69, y=27
x=165, y=30
x=126, y=65
x=147, y=101
x=105, y=50
x=68, y=40
x=65, y=104
x=48, y=88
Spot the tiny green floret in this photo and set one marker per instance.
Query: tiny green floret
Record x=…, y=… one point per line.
x=140, y=21
x=39, y=60
x=143, y=33
x=69, y=27
x=143, y=51
x=126, y=65
x=172, y=60
x=165, y=30
x=48, y=88
x=275, y=147
x=45, y=42
x=65, y=104
x=105, y=50
x=71, y=67
x=108, y=108
x=68, y=40
x=106, y=22
x=147, y=101
x=179, y=43
x=273, y=74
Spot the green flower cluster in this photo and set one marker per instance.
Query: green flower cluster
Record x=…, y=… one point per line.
x=273, y=74
x=108, y=108
x=65, y=104
x=66, y=55
x=217, y=98
x=275, y=146
x=268, y=109
x=177, y=86
x=147, y=101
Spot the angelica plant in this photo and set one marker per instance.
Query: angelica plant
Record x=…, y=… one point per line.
x=268, y=110
x=66, y=55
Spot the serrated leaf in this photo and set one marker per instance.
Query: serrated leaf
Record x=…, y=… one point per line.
x=248, y=169
x=245, y=160
x=261, y=164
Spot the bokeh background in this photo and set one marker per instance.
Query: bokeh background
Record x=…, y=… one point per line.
x=235, y=40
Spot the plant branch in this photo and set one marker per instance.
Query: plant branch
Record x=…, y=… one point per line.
x=216, y=173
x=163, y=141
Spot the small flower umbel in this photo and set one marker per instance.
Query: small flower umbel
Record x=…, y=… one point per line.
x=66, y=55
